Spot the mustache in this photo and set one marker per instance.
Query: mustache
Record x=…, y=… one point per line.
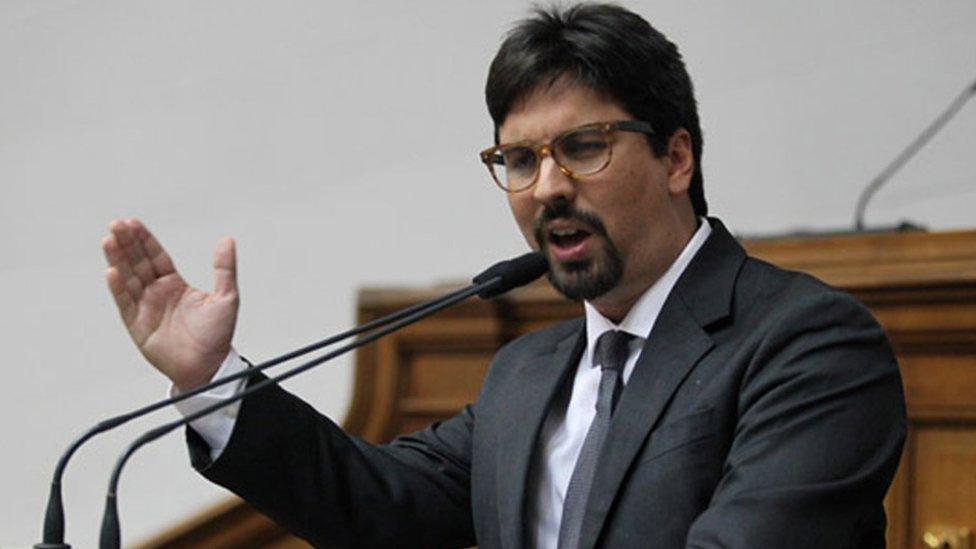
x=568, y=212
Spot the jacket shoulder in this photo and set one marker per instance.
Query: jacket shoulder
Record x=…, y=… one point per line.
x=764, y=286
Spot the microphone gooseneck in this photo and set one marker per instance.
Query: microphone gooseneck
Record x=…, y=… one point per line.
x=892, y=168
x=494, y=281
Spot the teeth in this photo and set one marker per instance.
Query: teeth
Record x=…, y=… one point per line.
x=564, y=232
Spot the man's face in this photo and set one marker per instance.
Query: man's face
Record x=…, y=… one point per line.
x=610, y=235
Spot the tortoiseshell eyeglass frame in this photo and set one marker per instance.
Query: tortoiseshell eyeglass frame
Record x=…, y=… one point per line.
x=492, y=156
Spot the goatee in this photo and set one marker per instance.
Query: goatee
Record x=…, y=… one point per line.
x=587, y=279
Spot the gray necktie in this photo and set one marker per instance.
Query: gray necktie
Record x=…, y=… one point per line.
x=611, y=354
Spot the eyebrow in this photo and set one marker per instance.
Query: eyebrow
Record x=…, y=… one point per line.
x=554, y=136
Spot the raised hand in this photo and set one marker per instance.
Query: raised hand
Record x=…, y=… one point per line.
x=182, y=331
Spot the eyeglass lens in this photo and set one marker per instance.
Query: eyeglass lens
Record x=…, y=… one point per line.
x=581, y=152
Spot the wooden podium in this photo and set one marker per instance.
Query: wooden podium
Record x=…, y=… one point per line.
x=920, y=286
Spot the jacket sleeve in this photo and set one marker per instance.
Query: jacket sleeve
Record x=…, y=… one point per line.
x=300, y=469
x=820, y=430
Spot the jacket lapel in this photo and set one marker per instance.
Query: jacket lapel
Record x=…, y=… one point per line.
x=539, y=379
x=677, y=342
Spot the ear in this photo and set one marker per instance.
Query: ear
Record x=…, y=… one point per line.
x=681, y=162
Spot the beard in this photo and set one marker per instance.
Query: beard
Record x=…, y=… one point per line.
x=587, y=279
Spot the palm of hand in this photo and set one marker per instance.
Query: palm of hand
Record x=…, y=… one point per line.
x=184, y=332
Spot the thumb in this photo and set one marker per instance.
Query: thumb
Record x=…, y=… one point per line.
x=225, y=267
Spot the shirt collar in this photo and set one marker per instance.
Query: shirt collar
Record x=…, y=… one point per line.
x=641, y=317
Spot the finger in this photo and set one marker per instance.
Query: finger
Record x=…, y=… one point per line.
x=225, y=267
x=160, y=260
x=138, y=262
x=129, y=254
x=124, y=301
x=145, y=267
x=117, y=259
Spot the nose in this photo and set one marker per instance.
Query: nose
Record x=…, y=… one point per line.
x=554, y=184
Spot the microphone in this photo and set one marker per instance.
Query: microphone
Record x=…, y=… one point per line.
x=512, y=273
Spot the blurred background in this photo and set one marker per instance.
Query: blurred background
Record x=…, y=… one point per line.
x=337, y=142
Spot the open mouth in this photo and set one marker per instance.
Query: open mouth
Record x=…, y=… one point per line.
x=567, y=238
x=568, y=242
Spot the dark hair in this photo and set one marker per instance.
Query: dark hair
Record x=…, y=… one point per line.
x=612, y=51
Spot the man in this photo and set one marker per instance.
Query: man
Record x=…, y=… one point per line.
x=706, y=399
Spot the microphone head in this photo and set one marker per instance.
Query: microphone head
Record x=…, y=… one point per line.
x=512, y=273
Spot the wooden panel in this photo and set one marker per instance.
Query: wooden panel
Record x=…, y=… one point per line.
x=944, y=485
x=897, y=503
x=940, y=386
x=445, y=375
x=875, y=260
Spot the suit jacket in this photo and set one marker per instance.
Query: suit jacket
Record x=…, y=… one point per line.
x=766, y=410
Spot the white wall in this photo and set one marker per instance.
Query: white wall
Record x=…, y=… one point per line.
x=337, y=142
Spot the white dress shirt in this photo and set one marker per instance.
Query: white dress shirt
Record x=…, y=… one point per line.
x=565, y=425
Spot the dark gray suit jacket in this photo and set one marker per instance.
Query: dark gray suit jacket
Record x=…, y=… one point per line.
x=766, y=410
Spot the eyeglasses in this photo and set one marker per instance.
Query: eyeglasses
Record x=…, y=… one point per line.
x=581, y=151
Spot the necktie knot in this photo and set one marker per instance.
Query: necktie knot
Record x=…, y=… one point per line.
x=612, y=350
